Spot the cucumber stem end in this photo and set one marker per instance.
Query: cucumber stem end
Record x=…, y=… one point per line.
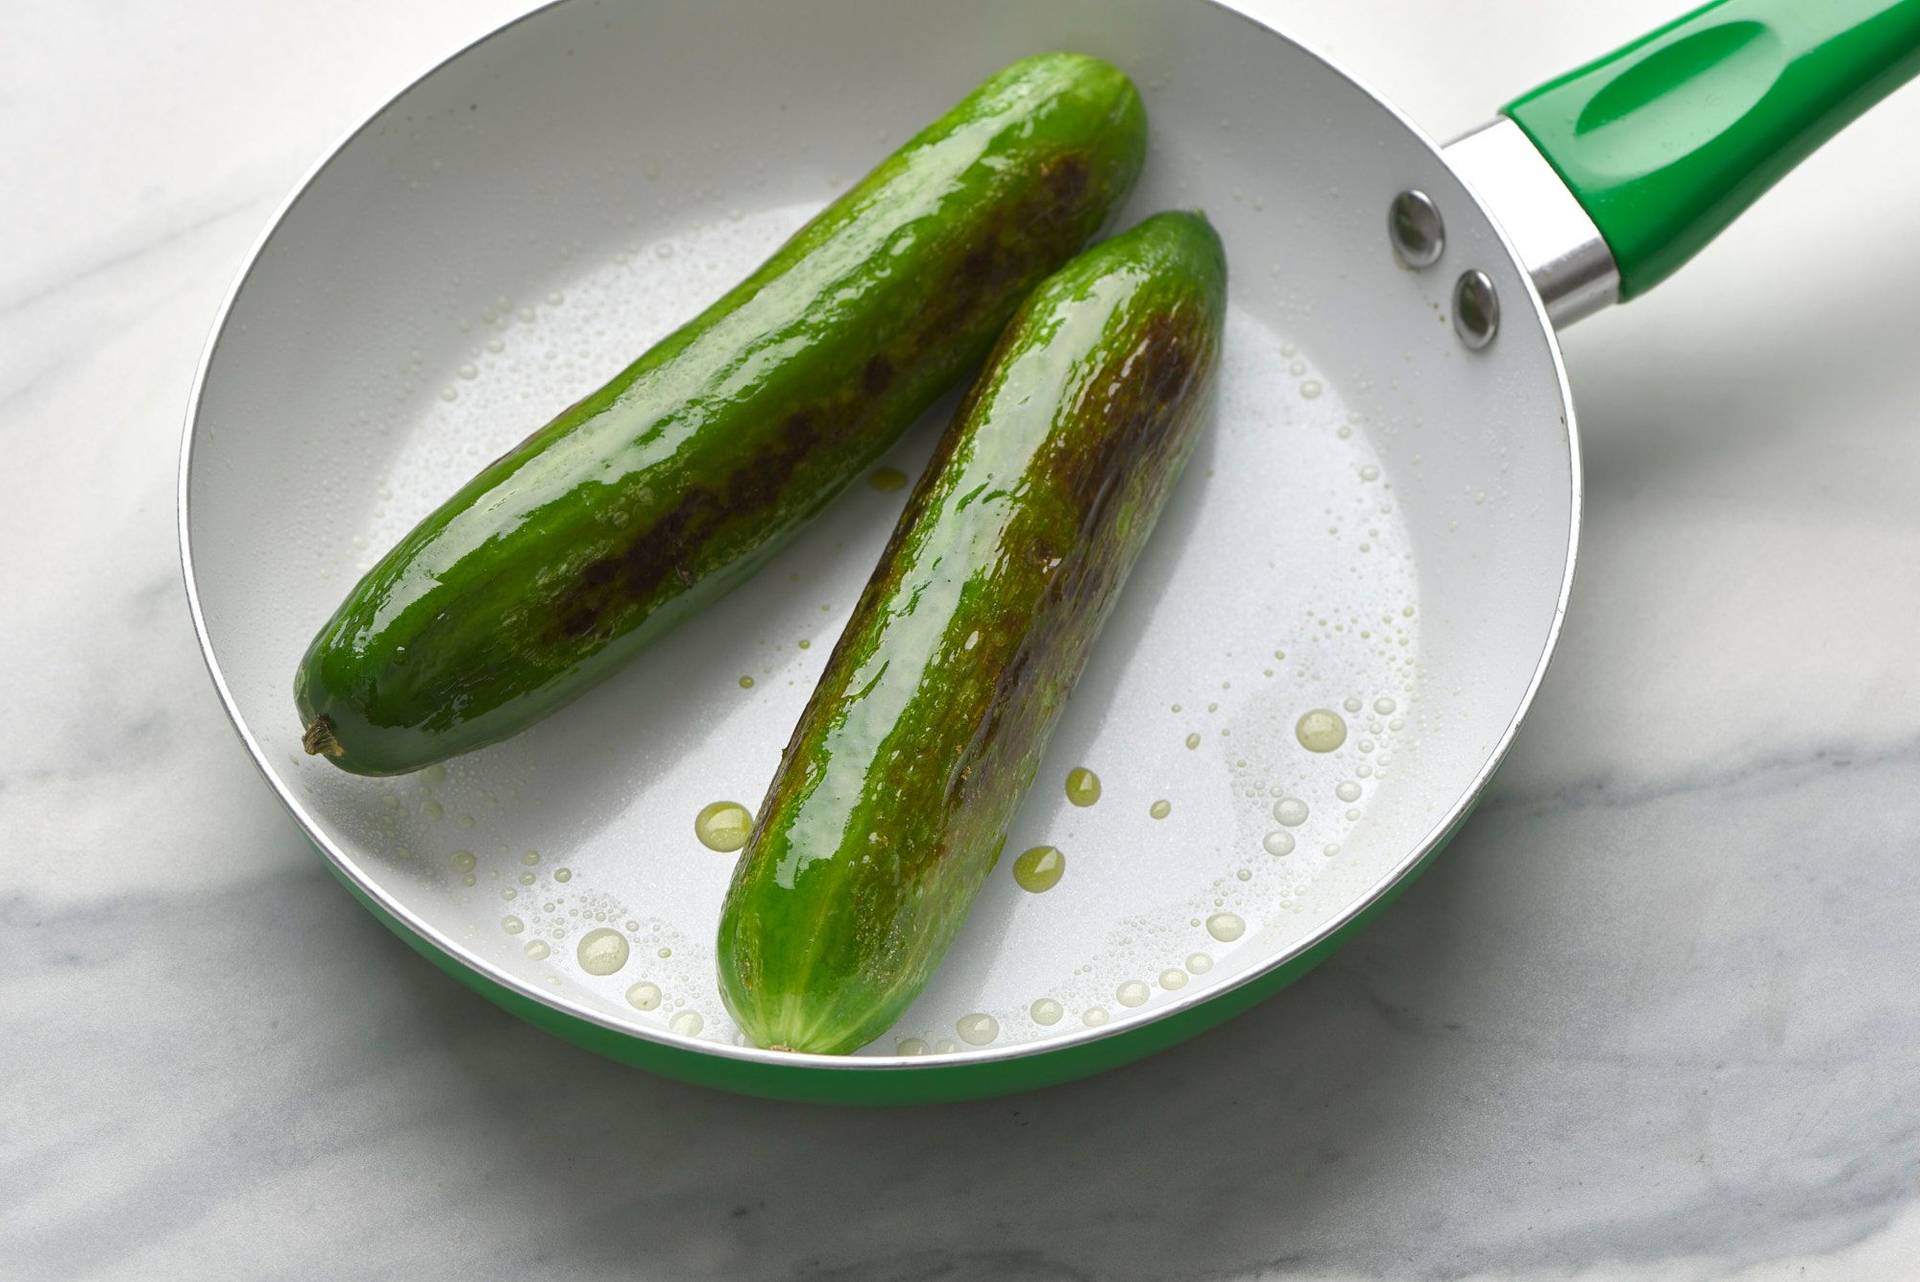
x=319, y=738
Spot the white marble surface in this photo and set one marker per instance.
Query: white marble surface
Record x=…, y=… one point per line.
x=1655, y=1014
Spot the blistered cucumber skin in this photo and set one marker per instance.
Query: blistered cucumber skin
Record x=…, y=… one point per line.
x=892, y=801
x=677, y=479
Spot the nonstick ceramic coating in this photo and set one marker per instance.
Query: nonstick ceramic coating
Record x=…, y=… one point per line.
x=1379, y=522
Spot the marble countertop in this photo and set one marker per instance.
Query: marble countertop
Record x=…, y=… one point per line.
x=1655, y=1014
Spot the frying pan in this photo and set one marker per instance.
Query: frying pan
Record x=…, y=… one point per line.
x=1380, y=523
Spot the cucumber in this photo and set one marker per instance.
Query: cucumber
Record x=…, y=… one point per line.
x=675, y=481
x=892, y=801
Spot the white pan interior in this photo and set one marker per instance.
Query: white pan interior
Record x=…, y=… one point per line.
x=1378, y=523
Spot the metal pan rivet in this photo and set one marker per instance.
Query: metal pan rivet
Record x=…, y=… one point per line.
x=1414, y=226
x=1476, y=309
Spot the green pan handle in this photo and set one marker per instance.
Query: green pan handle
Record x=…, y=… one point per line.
x=1664, y=141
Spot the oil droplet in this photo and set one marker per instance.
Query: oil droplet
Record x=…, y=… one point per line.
x=512, y=925
x=526, y=879
x=1278, y=842
x=1160, y=809
x=687, y=1023
x=1199, y=964
x=1039, y=870
x=1133, y=993
x=464, y=820
x=1310, y=389
x=1384, y=706
x=666, y=952
x=563, y=874
x=723, y=826
x=448, y=394
x=1176, y=707
x=1320, y=730
x=431, y=810
x=977, y=1029
x=509, y=893
x=434, y=774
x=531, y=858
x=644, y=996
x=1193, y=741
x=537, y=949
x=1226, y=927
x=1094, y=1016
x=945, y=1046
x=1083, y=786
x=1046, y=1011
x=1331, y=849
x=462, y=859
x=1172, y=978
x=746, y=683
x=805, y=644
x=1369, y=473
x=602, y=951
x=887, y=479
x=1351, y=704
x=1290, y=811
x=912, y=1046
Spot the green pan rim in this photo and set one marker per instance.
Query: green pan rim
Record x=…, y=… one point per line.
x=780, y=1072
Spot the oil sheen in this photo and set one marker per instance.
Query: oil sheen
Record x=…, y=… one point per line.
x=723, y=826
x=1321, y=730
x=1039, y=870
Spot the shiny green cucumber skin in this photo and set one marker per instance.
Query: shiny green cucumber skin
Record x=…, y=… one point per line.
x=893, y=798
x=675, y=481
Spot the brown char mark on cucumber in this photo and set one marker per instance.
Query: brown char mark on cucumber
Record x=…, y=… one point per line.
x=1143, y=382
x=1042, y=227
x=1147, y=381
x=665, y=549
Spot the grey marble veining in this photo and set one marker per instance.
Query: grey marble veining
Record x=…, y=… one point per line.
x=1653, y=1015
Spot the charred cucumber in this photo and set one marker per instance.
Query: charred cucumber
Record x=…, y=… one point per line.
x=893, y=799
x=673, y=482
